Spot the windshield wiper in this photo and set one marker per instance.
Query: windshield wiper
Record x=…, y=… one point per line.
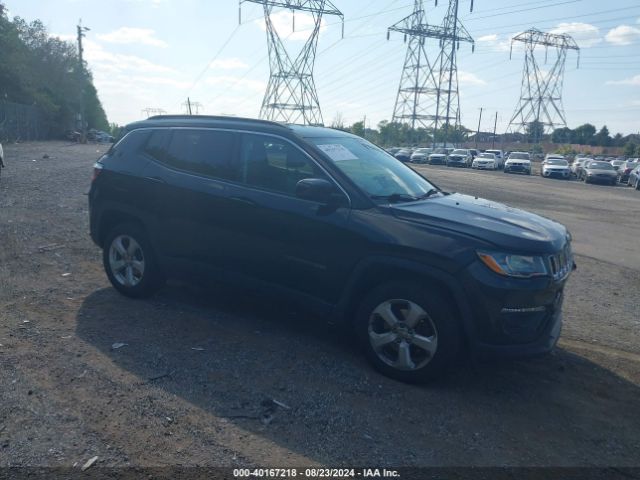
x=430, y=193
x=396, y=197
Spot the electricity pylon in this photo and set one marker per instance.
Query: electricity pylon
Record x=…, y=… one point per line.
x=291, y=95
x=428, y=94
x=541, y=92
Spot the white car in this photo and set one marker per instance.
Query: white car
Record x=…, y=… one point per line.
x=485, y=161
x=555, y=167
x=499, y=156
x=421, y=155
x=518, y=162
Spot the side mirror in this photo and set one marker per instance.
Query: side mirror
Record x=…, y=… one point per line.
x=316, y=190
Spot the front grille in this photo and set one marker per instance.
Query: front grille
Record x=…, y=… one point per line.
x=561, y=263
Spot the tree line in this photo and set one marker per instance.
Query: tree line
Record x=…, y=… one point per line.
x=44, y=71
x=399, y=134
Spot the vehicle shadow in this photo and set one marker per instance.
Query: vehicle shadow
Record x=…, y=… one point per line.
x=232, y=353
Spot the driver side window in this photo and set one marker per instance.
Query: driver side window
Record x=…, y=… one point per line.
x=274, y=164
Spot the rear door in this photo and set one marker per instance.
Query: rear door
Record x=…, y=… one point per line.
x=190, y=169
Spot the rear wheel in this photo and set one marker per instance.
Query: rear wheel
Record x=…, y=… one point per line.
x=130, y=263
x=638, y=183
x=408, y=333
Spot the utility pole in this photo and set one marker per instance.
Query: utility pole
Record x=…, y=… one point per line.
x=189, y=106
x=495, y=125
x=152, y=111
x=82, y=77
x=478, y=131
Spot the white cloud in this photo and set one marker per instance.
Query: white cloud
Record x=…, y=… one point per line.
x=283, y=23
x=497, y=43
x=635, y=81
x=623, y=35
x=228, y=64
x=100, y=59
x=585, y=34
x=468, y=78
x=127, y=35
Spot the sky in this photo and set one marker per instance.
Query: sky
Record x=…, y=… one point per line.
x=156, y=53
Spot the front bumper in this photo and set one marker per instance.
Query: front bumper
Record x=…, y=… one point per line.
x=512, y=317
x=485, y=166
x=556, y=173
x=517, y=168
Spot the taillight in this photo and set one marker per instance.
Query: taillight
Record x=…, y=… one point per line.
x=97, y=169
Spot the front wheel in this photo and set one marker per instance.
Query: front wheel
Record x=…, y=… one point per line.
x=130, y=263
x=407, y=332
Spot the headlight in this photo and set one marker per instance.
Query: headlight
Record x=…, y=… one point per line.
x=519, y=266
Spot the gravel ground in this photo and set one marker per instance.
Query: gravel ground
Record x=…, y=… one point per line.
x=196, y=382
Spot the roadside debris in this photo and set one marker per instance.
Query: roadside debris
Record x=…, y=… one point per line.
x=118, y=345
x=66, y=274
x=49, y=247
x=90, y=462
x=197, y=349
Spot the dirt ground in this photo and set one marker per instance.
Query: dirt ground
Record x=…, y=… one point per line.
x=195, y=383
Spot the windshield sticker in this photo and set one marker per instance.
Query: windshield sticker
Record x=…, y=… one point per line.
x=337, y=152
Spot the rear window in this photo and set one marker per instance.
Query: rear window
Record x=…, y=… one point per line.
x=601, y=165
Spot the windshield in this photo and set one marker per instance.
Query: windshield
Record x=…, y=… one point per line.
x=601, y=165
x=556, y=161
x=372, y=169
x=519, y=156
x=459, y=152
x=487, y=155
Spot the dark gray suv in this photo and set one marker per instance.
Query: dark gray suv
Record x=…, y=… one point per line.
x=334, y=221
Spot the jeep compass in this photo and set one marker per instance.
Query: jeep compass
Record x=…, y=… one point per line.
x=328, y=218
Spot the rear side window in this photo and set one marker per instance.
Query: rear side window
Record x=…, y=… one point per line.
x=203, y=152
x=132, y=142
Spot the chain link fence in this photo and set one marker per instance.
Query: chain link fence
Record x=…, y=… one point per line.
x=21, y=122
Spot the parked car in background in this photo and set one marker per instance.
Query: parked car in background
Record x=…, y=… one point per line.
x=634, y=177
x=499, y=157
x=599, y=172
x=616, y=164
x=421, y=155
x=576, y=166
x=404, y=155
x=460, y=158
x=392, y=150
x=518, y=162
x=485, y=161
x=439, y=157
x=555, y=167
x=625, y=170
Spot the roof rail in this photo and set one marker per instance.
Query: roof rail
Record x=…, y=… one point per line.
x=215, y=117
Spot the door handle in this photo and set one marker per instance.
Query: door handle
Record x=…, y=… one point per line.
x=155, y=179
x=243, y=200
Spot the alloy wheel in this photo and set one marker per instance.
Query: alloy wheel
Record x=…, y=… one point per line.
x=402, y=334
x=126, y=260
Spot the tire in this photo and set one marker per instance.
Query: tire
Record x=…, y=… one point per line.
x=436, y=328
x=637, y=184
x=139, y=276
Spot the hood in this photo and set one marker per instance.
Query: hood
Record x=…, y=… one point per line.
x=517, y=160
x=508, y=229
x=556, y=167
